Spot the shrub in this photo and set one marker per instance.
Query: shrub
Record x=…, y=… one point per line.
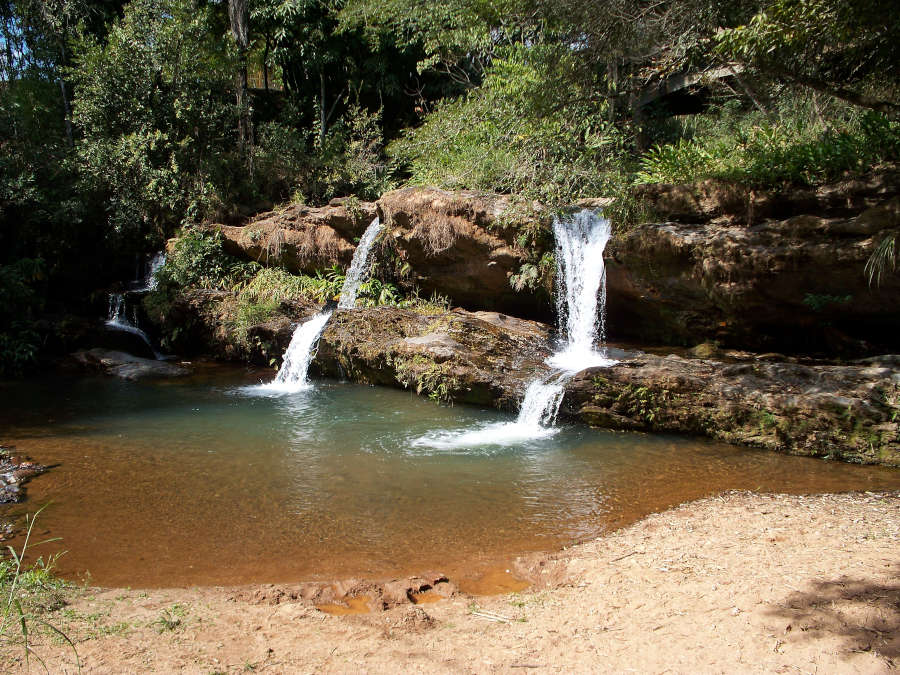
x=796, y=146
x=518, y=133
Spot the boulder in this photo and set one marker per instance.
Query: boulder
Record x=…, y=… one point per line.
x=482, y=358
x=127, y=366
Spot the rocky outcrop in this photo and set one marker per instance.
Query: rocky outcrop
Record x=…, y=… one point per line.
x=796, y=284
x=467, y=245
x=301, y=238
x=127, y=366
x=209, y=322
x=841, y=412
x=713, y=261
x=728, y=202
x=480, y=358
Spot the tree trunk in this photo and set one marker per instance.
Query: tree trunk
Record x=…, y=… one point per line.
x=238, y=16
x=322, y=121
x=67, y=107
x=266, y=63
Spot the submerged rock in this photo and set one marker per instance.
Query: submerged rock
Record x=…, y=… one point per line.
x=847, y=412
x=14, y=473
x=127, y=366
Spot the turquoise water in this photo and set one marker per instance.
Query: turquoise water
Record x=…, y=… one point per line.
x=198, y=481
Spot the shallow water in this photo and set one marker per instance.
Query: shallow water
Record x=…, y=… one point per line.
x=198, y=481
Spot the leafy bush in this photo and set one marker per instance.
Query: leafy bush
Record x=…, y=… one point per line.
x=19, y=303
x=199, y=261
x=519, y=132
x=797, y=146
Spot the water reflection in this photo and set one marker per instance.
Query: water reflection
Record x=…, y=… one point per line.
x=199, y=482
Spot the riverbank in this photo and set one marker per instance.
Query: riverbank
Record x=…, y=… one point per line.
x=738, y=583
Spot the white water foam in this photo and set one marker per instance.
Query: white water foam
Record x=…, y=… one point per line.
x=293, y=374
x=359, y=266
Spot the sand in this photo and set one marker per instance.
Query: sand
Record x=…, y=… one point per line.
x=732, y=584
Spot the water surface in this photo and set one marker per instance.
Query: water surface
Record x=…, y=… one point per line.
x=196, y=481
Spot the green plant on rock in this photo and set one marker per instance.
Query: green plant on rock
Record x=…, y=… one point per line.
x=534, y=275
x=427, y=377
x=199, y=261
x=818, y=302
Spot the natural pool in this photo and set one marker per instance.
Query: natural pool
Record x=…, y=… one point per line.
x=193, y=481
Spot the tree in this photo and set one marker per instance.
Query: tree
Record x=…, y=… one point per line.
x=849, y=49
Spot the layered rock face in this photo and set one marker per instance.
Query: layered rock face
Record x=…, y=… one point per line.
x=467, y=245
x=722, y=269
x=301, y=238
x=748, y=269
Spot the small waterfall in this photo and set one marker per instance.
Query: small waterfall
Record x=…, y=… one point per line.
x=359, y=266
x=157, y=261
x=580, y=278
x=117, y=319
x=292, y=376
x=581, y=304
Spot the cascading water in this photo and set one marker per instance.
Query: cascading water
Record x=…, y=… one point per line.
x=292, y=376
x=581, y=273
x=117, y=319
x=157, y=261
x=581, y=277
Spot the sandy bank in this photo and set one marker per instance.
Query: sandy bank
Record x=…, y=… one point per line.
x=738, y=583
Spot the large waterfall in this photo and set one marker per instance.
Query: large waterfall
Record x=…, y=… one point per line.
x=581, y=303
x=292, y=376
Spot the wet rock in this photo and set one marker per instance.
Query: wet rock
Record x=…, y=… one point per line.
x=14, y=473
x=845, y=412
x=127, y=366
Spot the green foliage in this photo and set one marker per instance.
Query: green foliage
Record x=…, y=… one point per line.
x=799, y=146
x=817, y=302
x=846, y=49
x=29, y=593
x=158, y=135
x=20, y=302
x=882, y=260
x=535, y=275
x=199, y=261
x=350, y=161
x=520, y=132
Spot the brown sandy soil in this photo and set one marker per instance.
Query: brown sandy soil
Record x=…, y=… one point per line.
x=738, y=583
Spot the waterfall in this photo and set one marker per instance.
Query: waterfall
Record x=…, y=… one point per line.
x=117, y=319
x=292, y=376
x=359, y=266
x=581, y=305
x=580, y=279
x=157, y=261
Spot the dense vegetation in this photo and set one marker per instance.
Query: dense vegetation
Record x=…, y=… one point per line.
x=123, y=121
